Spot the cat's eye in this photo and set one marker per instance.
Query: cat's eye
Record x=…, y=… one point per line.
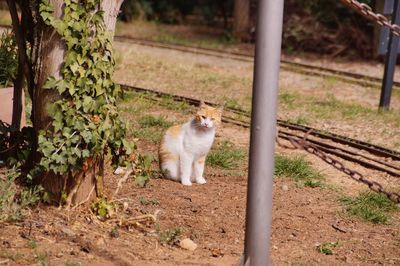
x=203, y=116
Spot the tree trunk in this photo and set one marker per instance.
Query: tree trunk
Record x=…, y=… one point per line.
x=48, y=63
x=241, y=19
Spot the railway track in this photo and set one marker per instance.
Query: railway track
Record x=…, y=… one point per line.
x=365, y=154
x=306, y=69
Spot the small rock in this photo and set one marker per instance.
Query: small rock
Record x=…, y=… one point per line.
x=188, y=244
x=285, y=187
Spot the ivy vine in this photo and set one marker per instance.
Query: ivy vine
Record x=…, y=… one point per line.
x=85, y=120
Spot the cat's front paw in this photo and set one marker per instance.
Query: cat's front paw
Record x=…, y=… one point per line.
x=201, y=180
x=186, y=182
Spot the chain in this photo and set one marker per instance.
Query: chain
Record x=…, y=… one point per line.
x=310, y=148
x=367, y=12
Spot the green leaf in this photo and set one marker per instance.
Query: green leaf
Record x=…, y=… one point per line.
x=50, y=83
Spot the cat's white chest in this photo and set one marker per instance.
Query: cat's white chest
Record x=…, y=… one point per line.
x=198, y=143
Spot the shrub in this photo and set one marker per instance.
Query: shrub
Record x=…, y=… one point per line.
x=8, y=59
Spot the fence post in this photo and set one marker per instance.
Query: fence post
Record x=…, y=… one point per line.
x=390, y=62
x=263, y=132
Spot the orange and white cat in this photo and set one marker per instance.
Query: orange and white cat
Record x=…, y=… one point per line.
x=183, y=148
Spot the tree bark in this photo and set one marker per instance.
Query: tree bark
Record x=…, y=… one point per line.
x=241, y=19
x=48, y=63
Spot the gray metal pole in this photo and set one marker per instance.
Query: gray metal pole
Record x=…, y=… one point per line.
x=390, y=64
x=263, y=132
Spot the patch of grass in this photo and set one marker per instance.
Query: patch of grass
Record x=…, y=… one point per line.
x=370, y=206
x=298, y=169
x=32, y=244
x=169, y=103
x=301, y=120
x=152, y=121
x=327, y=247
x=225, y=155
x=150, y=134
x=288, y=98
x=326, y=108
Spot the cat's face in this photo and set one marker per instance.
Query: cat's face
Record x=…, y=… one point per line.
x=207, y=116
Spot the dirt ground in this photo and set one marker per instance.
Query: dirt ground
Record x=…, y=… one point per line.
x=213, y=215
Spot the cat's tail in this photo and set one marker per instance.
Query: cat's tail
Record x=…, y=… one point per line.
x=170, y=169
x=169, y=162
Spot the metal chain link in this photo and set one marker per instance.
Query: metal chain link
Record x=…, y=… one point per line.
x=367, y=12
x=310, y=148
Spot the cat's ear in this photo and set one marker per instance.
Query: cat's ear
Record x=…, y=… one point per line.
x=202, y=104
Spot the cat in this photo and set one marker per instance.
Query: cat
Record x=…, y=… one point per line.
x=183, y=148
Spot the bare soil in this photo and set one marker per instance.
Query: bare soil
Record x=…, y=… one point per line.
x=213, y=215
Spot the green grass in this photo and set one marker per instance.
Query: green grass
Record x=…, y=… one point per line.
x=370, y=206
x=169, y=236
x=327, y=247
x=326, y=108
x=225, y=155
x=152, y=121
x=301, y=120
x=298, y=169
x=288, y=98
x=150, y=128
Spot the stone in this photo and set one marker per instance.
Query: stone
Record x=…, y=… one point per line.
x=188, y=244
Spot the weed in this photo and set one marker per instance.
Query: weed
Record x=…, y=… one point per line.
x=169, y=236
x=102, y=208
x=14, y=201
x=144, y=170
x=114, y=232
x=370, y=206
x=225, y=155
x=299, y=170
x=145, y=201
x=327, y=247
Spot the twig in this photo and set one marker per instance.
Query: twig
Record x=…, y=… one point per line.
x=121, y=181
x=85, y=200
